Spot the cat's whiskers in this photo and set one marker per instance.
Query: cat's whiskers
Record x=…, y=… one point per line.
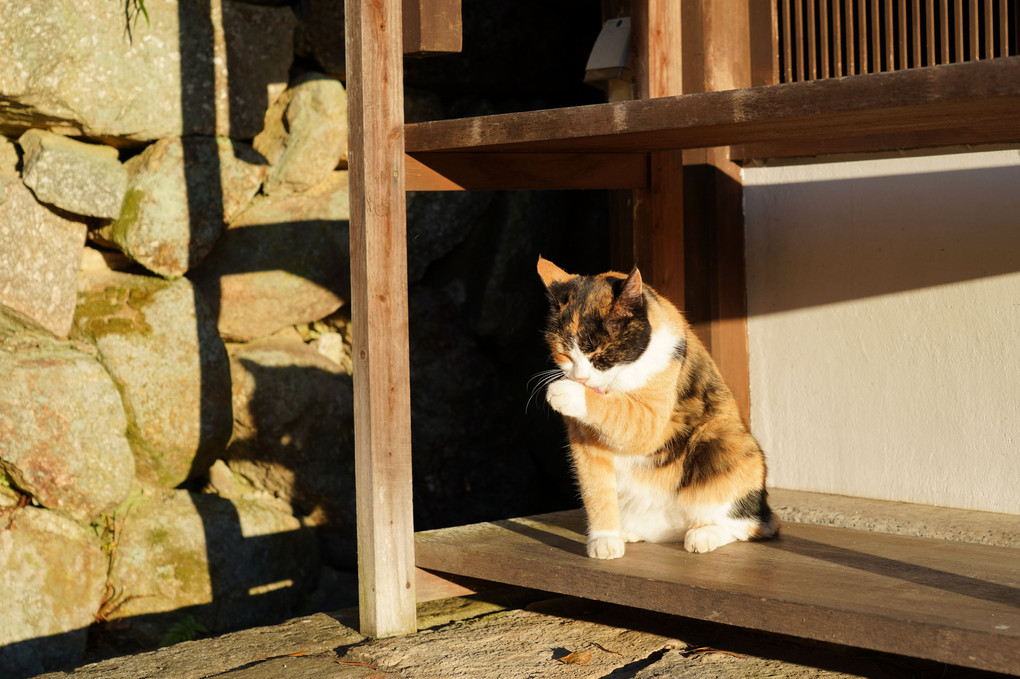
x=544, y=378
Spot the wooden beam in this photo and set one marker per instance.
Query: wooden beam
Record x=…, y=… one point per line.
x=940, y=105
x=525, y=171
x=382, y=410
x=432, y=27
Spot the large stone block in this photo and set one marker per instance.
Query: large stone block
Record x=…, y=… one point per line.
x=305, y=137
x=285, y=260
x=40, y=253
x=158, y=341
x=180, y=196
x=9, y=159
x=86, y=179
x=52, y=583
x=62, y=426
x=194, y=67
x=294, y=428
x=227, y=563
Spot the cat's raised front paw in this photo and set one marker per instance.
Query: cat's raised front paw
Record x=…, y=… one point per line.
x=567, y=398
x=707, y=538
x=602, y=546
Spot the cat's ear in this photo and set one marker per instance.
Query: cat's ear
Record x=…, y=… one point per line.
x=550, y=273
x=630, y=298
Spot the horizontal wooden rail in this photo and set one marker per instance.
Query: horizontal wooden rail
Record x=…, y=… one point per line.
x=969, y=103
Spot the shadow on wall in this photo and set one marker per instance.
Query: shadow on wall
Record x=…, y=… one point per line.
x=880, y=235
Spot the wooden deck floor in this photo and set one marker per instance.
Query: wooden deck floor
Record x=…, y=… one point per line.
x=952, y=602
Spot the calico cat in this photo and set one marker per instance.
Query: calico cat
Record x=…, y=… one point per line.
x=658, y=445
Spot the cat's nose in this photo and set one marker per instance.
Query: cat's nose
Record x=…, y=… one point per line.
x=582, y=380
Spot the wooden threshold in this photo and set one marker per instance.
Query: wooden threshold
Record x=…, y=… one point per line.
x=952, y=602
x=954, y=104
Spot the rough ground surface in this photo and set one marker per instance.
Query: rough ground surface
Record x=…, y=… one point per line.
x=500, y=635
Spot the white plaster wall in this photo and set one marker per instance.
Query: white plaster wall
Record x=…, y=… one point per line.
x=884, y=327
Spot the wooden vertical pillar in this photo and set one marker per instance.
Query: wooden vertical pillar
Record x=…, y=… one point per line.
x=688, y=226
x=382, y=410
x=723, y=51
x=657, y=219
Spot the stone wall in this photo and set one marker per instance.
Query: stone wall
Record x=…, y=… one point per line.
x=176, y=444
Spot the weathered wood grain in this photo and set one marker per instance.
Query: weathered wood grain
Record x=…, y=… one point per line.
x=941, y=105
x=948, y=601
x=432, y=27
x=382, y=406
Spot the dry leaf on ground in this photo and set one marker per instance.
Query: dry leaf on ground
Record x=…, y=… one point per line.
x=577, y=658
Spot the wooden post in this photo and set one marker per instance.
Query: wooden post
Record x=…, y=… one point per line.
x=657, y=217
x=431, y=27
x=382, y=407
x=687, y=227
x=721, y=51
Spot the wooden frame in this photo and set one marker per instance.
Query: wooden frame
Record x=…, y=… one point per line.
x=382, y=413
x=666, y=145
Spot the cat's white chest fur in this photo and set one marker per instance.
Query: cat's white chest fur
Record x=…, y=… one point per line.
x=647, y=513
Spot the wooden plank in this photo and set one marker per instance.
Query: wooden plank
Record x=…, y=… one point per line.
x=952, y=602
x=975, y=102
x=525, y=171
x=382, y=405
x=907, y=139
x=432, y=27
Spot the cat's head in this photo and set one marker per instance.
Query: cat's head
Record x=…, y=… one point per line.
x=598, y=325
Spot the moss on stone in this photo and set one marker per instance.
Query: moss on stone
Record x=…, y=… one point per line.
x=130, y=210
x=118, y=309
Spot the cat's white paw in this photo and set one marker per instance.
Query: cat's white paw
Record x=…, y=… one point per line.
x=567, y=398
x=605, y=546
x=707, y=538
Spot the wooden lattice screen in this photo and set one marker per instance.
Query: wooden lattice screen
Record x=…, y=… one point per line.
x=831, y=38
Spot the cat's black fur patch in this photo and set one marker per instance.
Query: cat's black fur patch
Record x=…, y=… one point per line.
x=706, y=459
x=607, y=341
x=701, y=390
x=754, y=505
x=673, y=449
x=680, y=350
